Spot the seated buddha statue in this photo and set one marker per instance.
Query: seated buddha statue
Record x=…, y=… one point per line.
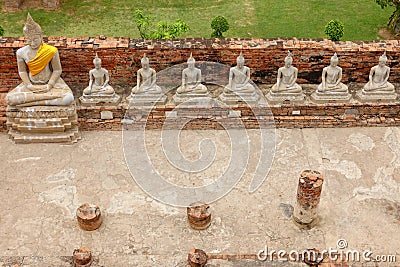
x=146, y=79
x=191, y=80
x=39, y=68
x=286, y=80
x=331, y=78
x=239, y=78
x=99, y=79
x=378, y=79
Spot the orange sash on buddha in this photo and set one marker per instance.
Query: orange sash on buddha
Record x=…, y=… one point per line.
x=42, y=58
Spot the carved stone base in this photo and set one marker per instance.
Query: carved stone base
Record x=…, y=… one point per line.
x=240, y=98
x=319, y=97
x=43, y=124
x=94, y=100
x=193, y=99
x=146, y=99
x=376, y=97
x=278, y=98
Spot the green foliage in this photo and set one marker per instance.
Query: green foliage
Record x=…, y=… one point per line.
x=164, y=29
x=220, y=25
x=1, y=31
x=394, y=20
x=334, y=29
x=142, y=23
x=385, y=3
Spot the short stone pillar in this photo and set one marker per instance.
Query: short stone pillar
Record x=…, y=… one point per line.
x=308, y=196
x=198, y=216
x=89, y=217
x=197, y=258
x=82, y=257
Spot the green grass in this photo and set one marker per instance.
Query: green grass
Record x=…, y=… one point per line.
x=248, y=18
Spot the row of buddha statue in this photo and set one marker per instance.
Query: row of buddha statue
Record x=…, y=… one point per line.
x=240, y=88
x=42, y=107
x=39, y=68
x=47, y=88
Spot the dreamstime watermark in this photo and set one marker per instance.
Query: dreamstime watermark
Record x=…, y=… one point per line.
x=341, y=253
x=139, y=159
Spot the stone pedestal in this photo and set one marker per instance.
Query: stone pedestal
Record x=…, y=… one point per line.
x=43, y=124
x=231, y=98
x=365, y=97
x=277, y=98
x=146, y=99
x=193, y=99
x=98, y=100
x=330, y=97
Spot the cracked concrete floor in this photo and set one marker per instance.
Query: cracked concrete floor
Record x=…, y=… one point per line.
x=42, y=185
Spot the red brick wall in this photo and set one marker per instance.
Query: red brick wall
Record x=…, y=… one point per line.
x=121, y=57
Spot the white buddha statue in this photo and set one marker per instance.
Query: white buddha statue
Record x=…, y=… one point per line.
x=39, y=68
x=378, y=79
x=191, y=80
x=378, y=89
x=239, y=78
x=331, y=89
x=286, y=88
x=146, y=79
x=331, y=78
x=146, y=92
x=99, y=79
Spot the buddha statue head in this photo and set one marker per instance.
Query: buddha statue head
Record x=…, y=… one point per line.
x=33, y=33
x=334, y=60
x=145, y=62
x=240, y=60
x=97, y=62
x=191, y=62
x=383, y=59
x=288, y=59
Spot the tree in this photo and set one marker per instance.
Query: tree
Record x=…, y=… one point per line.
x=164, y=29
x=334, y=29
x=1, y=31
x=394, y=20
x=220, y=25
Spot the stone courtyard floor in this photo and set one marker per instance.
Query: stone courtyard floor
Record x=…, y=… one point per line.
x=41, y=186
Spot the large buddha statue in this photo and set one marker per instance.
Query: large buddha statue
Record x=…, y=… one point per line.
x=191, y=86
x=378, y=88
x=42, y=107
x=39, y=68
x=286, y=88
x=146, y=90
x=331, y=89
x=99, y=90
